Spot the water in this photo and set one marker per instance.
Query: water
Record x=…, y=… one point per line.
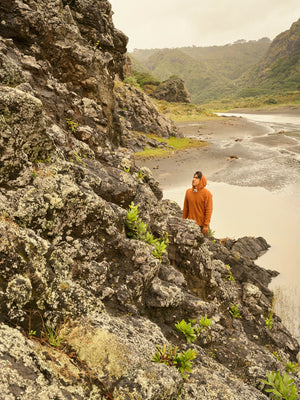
x=274, y=122
x=254, y=211
x=242, y=210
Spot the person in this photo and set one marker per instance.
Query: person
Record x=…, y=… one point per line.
x=198, y=203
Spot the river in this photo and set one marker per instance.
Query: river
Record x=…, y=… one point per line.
x=256, y=192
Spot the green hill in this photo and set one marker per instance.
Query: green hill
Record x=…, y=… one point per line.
x=279, y=70
x=241, y=69
x=208, y=72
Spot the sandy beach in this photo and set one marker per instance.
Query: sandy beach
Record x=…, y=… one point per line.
x=240, y=152
x=253, y=171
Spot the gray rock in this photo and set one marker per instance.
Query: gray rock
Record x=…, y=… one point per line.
x=172, y=90
x=140, y=113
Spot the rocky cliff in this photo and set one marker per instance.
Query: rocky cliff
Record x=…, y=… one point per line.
x=172, y=90
x=84, y=305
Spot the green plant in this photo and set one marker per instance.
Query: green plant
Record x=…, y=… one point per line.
x=187, y=329
x=234, y=311
x=269, y=320
x=193, y=329
x=140, y=230
x=131, y=80
x=97, y=45
x=72, y=126
x=229, y=277
x=171, y=357
x=132, y=217
x=202, y=324
x=127, y=170
x=137, y=229
x=282, y=387
x=34, y=175
x=160, y=247
x=140, y=175
x=149, y=238
x=211, y=233
x=53, y=336
x=183, y=361
x=77, y=158
x=165, y=355
x=275, y=354
x=292, y=367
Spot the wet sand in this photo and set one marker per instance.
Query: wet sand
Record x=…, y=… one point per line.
x=253, y=172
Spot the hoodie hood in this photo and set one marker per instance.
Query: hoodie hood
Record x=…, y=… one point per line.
x=202, y=183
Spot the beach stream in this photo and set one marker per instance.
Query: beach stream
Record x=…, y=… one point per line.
x=252, y=165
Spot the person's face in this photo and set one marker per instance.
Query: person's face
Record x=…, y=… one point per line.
x=196, y=180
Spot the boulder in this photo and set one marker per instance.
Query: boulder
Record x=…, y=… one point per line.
x=172, y=90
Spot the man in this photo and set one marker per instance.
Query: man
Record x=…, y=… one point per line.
x=198, y=202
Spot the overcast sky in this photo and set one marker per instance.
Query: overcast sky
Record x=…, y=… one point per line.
x=178, y=23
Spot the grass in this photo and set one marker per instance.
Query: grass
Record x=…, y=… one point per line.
x=265, y=101
x=173, y=144
x=180, y=112
x=184, y=112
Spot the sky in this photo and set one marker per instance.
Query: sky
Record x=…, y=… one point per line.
x=177, y=23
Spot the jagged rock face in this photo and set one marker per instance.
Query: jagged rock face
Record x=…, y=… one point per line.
x=172, y=90
x=69, y=273
x=140, y=114
x=68, y=52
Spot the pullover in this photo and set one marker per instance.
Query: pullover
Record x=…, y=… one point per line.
x=198, y=205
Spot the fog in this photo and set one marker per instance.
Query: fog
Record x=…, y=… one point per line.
x=177, y=23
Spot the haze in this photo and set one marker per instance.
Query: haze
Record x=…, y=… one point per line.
x=179, y=23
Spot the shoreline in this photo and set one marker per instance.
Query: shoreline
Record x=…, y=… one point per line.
x=239, y=152
x=292, y=109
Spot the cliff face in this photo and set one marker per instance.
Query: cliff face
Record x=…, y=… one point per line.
x=82, y=305
x=278, y=71
x=172, y=90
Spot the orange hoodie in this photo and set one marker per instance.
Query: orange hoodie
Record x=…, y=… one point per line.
x=198, y=205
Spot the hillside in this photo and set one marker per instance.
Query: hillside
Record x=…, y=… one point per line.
x=279, y=70
x=242, y=69
x=208, y=72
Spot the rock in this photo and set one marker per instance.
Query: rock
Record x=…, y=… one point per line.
x=172, y=90
x=140, y=113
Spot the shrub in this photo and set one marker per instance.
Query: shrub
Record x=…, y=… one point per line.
x=282, y=387
x=193, y=329
x=292, y=367
x=72, y=125
x=234, y=311
x=187, y=330
x=229, y=277
x=137, y=229
x=131, y=80
x=53, y=336
x=171, y=357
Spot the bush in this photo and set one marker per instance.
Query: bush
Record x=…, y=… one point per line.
x=137, y=229
x=131, y=80
x=281, y=386
x=171, y=357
